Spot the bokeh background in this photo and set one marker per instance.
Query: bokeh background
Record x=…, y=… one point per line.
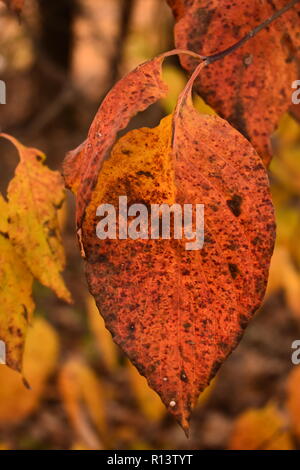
x=58, y=61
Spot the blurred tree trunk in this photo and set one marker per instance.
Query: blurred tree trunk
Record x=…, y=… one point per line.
x=126, y=10
x=54, y=48
x=56, y=30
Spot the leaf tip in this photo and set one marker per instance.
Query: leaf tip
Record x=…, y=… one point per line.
x=182, y=418
x=184, y=423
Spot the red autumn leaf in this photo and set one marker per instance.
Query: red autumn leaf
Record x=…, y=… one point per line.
x=250, y=87
x=144, y=87
x=177, y=314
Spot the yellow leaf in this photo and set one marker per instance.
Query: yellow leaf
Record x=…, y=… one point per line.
x=35, y=194
x=286, y=169
x=176, y=81
x=16, y=304
x=107, y=347
x=283, y=274
x=83, y=400
x=202, y=107
x=147, y=399
x=288, y=131
x=204, y=396
x=260, y=429
x=40, y=358
x=287, y=220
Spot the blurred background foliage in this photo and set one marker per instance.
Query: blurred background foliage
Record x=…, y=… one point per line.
x=58, y=62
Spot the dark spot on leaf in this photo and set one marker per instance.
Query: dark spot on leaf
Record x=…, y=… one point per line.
x=234, y=204
x=234, y=270
x=183, y=376
x=145, y=173
x=102, y=258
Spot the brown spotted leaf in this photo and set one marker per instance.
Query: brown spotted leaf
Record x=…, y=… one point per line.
x=250, y=87
x=144, y=87
x=35, y=194
x=177, y=314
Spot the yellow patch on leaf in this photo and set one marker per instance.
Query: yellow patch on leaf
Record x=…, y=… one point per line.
x=150, y=150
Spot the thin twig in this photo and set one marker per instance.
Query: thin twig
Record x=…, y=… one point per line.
x=186, y=93
x=220, y=55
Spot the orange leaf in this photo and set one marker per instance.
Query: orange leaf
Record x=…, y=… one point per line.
x=144, y=87
x=177, y=314
x=261, y=429
x=250, y=87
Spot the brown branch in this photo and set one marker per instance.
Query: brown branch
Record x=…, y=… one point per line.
x=220, y=55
